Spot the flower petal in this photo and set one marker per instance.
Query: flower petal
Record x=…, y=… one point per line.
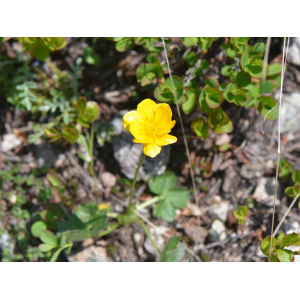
x=165, y=140
x=167, y=106
x=166, y=129
x=162, y=118
x=145, y=109
x=151, y=149
x=147, y=140
x=138, y=128
x=128, y=118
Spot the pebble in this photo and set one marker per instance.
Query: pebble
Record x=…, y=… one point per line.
x=217, y=232
x=264, y=192
x=219, y=211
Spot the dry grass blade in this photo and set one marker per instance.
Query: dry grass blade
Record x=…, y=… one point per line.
x=284, y=54
x=182, y=128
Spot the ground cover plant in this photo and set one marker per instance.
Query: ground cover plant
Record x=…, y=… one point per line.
x=146, y=149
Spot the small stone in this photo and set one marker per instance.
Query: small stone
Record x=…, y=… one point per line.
x=88, y=242
x=252, y=170
x=108, y=179
x=12, y=199
x=217, y=232
x=196, y=233
x=264, y=192
x=10, y=141
x=89, y=254
x=61, y=161
x=219, y=211
x=294, y=51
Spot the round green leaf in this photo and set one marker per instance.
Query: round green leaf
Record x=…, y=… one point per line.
x=190, y=58
x=200, y=127
x=45, y=247
x=296, y=176
x=284, y=255
x=37, y=227
x=243, y=79
x=245, y=61
x=225, y=71
x=265, y=245
x=48, y=237
x=256, y=68
x=211, y=81
x=124, y=44
x=190, y=103
x=267, y=87
x=274, y=69
x=141, y=71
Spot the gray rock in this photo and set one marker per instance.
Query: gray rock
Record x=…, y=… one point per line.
x=252, y=170
x=219, y=211
x=264, y=192
x=129, y=154
x=217, y=232
x=46, y=155
x=290, y=112
x=294, y=51
x=196, y=233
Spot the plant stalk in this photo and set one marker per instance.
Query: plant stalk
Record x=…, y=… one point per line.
x=109, y=230
x=133, y=183
x=143, y=225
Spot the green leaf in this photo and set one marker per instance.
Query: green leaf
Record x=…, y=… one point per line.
x=296, y=176
x=266, y=103
x=267, y=87
x=290, y=191
x=210, y=99
x=243, y=209
x=274, y=69
x=243, y=79
x=190, y=103
x=290, y=239
x=53, y=180
x=188, y=42
x=280, y=237
x=219, y=121
x=190, y=58
x=284, y=255
x=257, y=49
x=91, y=57
x=178, y=196
x=230, y=52
x=238, y=216
x=164, y=210
x=245, y=61
x=48, y=237
x=200, y=127
x=37, y=227
x=256, y=68
x=253, y=88
x=124, y=44
x=171, y=253
x=161, y=183
x=44, y=195
x=80, y=104
x=56, y=254
x=211, y=81
x=76, y=235
x=265, y=245
x=99, y=224
x=225, y=71
x=45, y=247
x=164, y=92
x=73, y=223
x=63, y=241
x=143, y=70
x=90, y=114
x=274, y=258
x=70, y=133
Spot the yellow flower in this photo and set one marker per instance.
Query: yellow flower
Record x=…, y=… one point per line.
x=150, y=125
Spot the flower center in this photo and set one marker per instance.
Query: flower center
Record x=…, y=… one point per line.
x=151, y=129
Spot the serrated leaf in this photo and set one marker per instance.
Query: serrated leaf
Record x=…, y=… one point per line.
x=164, y=210
x=76, y=235
x=171, y=253
x=162, y=183
x=178, y=196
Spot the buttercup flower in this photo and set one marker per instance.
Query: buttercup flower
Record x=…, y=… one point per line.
x=150, y=125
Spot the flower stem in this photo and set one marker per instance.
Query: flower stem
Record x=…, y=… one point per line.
x=110, y=229
x=143, y=225
x=133, y=183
